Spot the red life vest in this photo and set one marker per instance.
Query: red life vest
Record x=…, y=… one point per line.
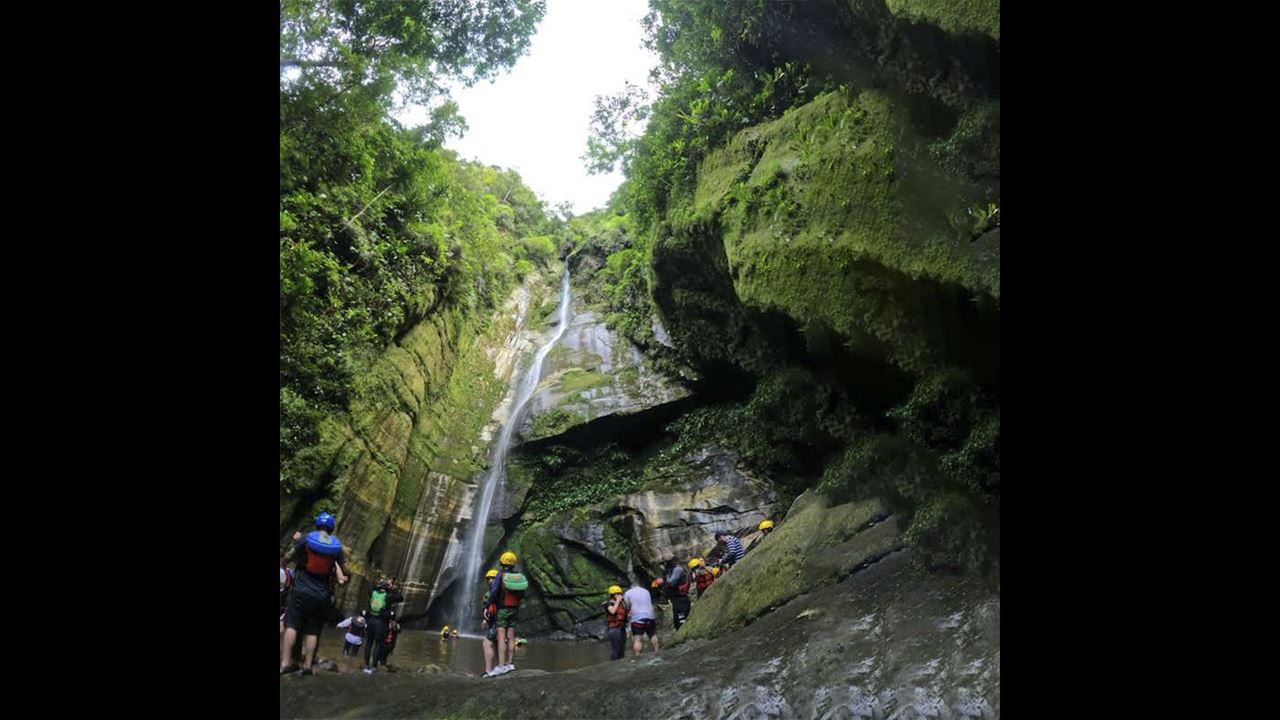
x=322, y=553
x=618, y=618
x=704, y=581
x=510, y=598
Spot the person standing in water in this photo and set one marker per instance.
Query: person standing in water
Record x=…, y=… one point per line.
x=489, y=625
x=615, y=619
x=310, y=602
x=643, y=620
x=356, y=627
x=388, y=640
x=505, y=593
x=384, y=595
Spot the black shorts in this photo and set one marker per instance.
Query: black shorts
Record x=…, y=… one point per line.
x=647, y=627
x=307, y=613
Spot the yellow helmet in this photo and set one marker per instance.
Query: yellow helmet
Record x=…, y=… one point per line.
x=614, y=590
x=491, y=574
x=715, y=572
x=766, y=525
x=445, y=630
x=695, y=563
x=508, y=558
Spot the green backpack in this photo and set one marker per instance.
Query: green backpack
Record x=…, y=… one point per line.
x=515, y=581
x=377, y=601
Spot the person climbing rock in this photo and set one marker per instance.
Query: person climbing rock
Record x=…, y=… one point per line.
x=677, y=584
x=384, y=595
x=702, y=577
x=505, y=593
x=765, y=527
x=357, y=628
x=615, y=620
x=732, y=549
x=318, y=554
x=387, y=643
x=643, y=620
x=489, y=625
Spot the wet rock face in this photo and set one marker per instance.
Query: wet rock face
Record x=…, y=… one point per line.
x=814, y=546
x=886, y=642
x=680, y=521
x=593, y=373
x=573, y=556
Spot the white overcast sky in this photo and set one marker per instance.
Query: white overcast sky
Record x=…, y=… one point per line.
x=534, y=119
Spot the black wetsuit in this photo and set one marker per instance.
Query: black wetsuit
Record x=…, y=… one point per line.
x=678, y=590
x=378, y=627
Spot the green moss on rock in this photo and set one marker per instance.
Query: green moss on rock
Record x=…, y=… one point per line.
x=816, y=545
x=952, y=15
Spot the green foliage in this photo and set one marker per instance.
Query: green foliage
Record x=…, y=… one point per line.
x=540, y=250
x=379, y=227
x=554, y=422
x=415, y=46
x=564, y=478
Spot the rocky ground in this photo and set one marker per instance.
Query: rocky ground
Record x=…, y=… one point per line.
x=886, y=642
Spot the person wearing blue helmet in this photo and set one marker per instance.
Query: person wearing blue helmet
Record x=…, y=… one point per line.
x=319, y=554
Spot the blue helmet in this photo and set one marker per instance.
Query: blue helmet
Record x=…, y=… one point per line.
x=325, y=520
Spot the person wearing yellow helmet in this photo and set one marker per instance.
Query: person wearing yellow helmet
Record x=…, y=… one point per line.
x=488, y=623
x=702, y=576
x=765, y=527
x=444, y=632
x=615, y=617
x=505, y=592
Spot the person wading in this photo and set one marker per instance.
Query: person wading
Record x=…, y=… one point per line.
x=384, y=595
x=489, y=624
x=643, y=620
x=319, y=554
x=615, y=619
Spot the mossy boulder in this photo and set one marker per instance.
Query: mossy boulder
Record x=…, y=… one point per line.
x=571, y=559
x=816, y=545
x=834, y=216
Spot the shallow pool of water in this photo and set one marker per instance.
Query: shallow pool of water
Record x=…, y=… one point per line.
x=416, y=648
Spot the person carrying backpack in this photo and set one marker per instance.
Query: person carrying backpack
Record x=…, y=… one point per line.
x=677, y=583
x=384, y=595
x=505, y=593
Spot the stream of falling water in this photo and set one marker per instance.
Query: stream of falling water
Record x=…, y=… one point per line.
x=466, y=615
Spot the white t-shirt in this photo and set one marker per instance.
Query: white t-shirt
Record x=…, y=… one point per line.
x=353, y=639
x=641, y=604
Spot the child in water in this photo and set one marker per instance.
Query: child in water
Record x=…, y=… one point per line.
x=357, y=628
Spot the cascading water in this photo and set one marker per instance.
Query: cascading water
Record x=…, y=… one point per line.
x=473, y=547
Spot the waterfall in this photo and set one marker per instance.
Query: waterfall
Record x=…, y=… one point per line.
x=472, y=551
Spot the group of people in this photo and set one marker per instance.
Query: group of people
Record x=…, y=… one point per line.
x=636, y=606
x=306, y=603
